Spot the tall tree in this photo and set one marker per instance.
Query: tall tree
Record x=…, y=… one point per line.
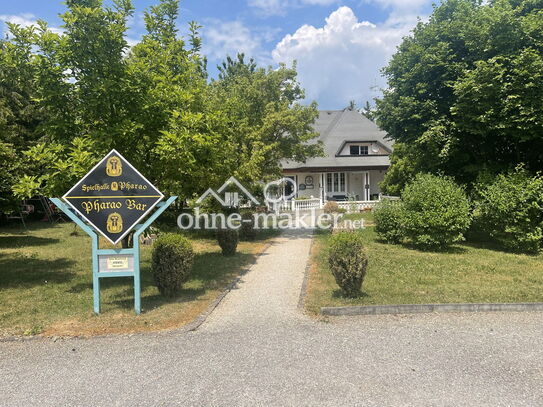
x=464, y=90
x=265, y=122
x=96, y=93
x=154, y=104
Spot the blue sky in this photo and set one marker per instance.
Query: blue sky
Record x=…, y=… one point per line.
x=339, y=46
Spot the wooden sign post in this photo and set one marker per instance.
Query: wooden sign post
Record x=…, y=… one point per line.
x=110, y=201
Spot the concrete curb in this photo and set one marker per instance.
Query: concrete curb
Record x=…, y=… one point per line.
x=425, y=308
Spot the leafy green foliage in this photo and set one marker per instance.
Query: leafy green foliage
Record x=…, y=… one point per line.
x=55, y=168
x=464, y=92
x=74, y=96
x=9, y=168
x=228, y=241
x=348, y=262
x=171, y=263
x=510, y=210
x=263, y=120
x=404, y=165
x=19, y=113
x=389, y=217
x=247, y=230
x=436, y=212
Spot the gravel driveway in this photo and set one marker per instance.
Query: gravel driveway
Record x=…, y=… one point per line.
x=258, y=350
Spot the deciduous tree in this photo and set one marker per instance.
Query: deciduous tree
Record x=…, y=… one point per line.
x=464, y=92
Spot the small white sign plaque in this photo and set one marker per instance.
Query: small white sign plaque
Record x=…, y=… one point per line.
x=108, y=263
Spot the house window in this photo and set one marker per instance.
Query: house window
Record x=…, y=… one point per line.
x=358, y=150
x=335, y=182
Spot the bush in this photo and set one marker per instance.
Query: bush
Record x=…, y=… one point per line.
x=228, y=240
x=247, y=230
x=436, y=211
x=348, y=262
x=388, y=217
x=332, y=207
x=171, y=263
x=510, y=210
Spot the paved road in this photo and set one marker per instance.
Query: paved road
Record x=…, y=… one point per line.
x=286, y=359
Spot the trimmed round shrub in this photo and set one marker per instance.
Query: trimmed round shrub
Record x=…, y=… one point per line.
x=228, y=241
x=436, y=211
x=171, y=263
x=388, y=217
x=510, y=210
x=247, y=230
x=348, y=262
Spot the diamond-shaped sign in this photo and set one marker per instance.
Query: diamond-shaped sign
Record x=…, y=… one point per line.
x=113, y=197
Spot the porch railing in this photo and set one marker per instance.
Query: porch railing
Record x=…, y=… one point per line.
x=316, y=203
x=300, y=204
x=357, y=206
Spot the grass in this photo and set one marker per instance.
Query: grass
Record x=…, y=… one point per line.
x=46, y=285
x=397, y=274
x=366, y=216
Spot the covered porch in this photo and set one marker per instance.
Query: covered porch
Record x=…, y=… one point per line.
x=354, y=189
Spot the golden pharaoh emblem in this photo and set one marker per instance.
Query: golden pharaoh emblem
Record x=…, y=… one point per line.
x=114, y=223
x=114, y=167
x=114, y=186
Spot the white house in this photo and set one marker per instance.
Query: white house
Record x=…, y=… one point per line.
x=357, y=157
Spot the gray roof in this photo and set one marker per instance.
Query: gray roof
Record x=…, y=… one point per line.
x=335, y=128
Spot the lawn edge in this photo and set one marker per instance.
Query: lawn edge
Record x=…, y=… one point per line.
x=189, y=327
x=428, y=308
x=307, y=272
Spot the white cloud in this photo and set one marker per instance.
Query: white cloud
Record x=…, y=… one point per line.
x=413, y=5
x=131, y=41
x=24, y=20
x=223, y=38
x=342, y=60
x=269, y=7
x=279, y=7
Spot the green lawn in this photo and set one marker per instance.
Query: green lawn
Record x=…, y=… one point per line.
x=46, y=285
x=402, y=275
x=366, y=216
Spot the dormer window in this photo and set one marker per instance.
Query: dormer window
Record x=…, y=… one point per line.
x=358, y=150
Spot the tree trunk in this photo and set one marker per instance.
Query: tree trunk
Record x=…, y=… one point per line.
x=127, y=240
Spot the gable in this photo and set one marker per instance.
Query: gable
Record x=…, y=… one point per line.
x=339, y=128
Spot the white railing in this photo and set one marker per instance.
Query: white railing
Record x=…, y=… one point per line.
x=315, y=203
x=390, y=198
x=304, y=204
x=300, y=204
x=356, y=206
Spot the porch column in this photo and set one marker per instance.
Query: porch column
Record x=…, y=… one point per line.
x=367, y=186
x=323, y=183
